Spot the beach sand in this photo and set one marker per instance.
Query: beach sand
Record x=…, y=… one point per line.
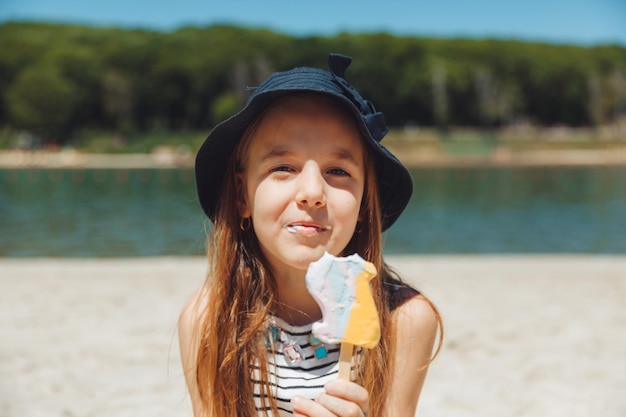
x=525, y=335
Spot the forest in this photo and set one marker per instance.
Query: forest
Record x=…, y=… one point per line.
x=58, y=80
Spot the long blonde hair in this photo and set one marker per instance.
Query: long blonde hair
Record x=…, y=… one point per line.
x=242, y=292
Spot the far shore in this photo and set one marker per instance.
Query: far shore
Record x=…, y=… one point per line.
x=170, y=158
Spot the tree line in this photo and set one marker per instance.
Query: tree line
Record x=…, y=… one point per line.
x=57, y=79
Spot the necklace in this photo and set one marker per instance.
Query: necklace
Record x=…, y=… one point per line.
x=292, y=351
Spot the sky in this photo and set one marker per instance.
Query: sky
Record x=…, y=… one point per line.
x=582, y=22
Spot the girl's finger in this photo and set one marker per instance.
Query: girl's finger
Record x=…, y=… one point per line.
x=349, y=391
x=344, y=398
x=303, y=407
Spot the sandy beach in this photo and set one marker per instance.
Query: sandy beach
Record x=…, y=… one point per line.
x=525, y=335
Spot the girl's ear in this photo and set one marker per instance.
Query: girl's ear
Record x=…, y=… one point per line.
x=242, y=199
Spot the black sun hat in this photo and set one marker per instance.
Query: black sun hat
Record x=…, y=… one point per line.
x=394, y=181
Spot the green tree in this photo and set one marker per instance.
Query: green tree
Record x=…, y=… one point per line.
x=43, y=101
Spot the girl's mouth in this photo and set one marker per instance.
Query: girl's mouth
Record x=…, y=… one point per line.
x=306, y=229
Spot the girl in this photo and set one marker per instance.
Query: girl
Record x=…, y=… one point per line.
x=296, y=173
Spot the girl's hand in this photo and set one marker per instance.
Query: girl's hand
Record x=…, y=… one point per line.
x=340, y=399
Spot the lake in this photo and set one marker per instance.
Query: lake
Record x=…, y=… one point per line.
x=477, y=210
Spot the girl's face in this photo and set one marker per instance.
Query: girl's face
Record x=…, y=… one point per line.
x=303, y=182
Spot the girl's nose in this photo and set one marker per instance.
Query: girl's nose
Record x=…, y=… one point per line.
x=311, y=187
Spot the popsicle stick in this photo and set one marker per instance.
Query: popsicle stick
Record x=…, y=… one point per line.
x=345, y=360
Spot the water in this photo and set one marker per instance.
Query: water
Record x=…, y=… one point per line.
x=80, y=213
x=515, y=210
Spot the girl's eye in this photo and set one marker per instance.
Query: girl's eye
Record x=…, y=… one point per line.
x=281, y=168
x=338, y=171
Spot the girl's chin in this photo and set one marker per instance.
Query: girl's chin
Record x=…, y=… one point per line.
x=304, y=258
x=299, y=256
x=315, y=255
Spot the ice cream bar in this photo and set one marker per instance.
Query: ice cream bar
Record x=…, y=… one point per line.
x=341, y=287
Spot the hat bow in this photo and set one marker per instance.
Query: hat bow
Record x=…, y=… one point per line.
x=375, y=121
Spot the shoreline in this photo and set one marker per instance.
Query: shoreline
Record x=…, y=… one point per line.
x=167, y=159
x=540, y=335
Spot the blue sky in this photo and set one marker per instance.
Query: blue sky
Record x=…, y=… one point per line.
x=584, y=22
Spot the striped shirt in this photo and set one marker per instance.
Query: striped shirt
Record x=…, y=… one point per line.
x=305, y=378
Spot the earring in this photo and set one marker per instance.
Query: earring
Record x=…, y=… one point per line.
x=245, y=223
